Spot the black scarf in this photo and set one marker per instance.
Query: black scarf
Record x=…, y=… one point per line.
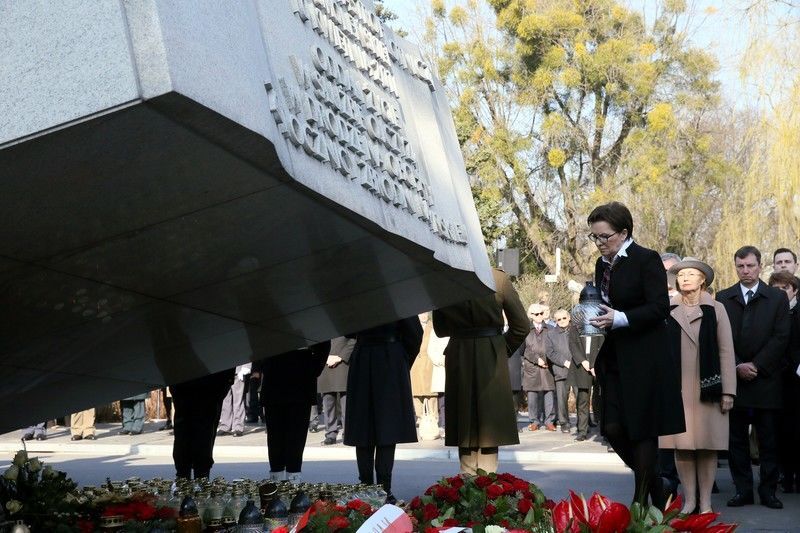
x=710, y=379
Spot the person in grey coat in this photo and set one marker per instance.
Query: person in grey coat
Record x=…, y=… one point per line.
x=560, y=358
x=332, y=385
x=537, y=380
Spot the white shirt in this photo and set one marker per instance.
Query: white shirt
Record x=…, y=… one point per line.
x=620, y=319
x=744, y=290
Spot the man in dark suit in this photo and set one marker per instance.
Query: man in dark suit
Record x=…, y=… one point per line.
x=759, y=317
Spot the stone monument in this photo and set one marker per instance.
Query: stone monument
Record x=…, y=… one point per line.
x=187, y=185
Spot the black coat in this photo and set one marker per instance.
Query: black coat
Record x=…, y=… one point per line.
x=650, y=386
x=578, y=376
x=515, y=368
x=335, y=379
x=761, y=332
x=380, y=410
x=291, y=377
x=557, y=351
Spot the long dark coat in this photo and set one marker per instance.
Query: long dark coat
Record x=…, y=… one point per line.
x=557, y=350
x=380, y=410
x=578, y=376
x=761, y=332
x=480, y=406
x=534, y=377
x=649, y=378
x=335, y=379
x=291, y=377
x=515, y=368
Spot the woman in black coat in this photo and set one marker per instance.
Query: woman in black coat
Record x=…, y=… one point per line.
x=639, y=381
x=380, y=410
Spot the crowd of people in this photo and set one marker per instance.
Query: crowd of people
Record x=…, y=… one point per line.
x=679, y=377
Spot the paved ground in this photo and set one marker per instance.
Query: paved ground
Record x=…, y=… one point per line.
x=554, y=461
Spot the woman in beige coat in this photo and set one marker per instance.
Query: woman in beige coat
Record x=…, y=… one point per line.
x=701, y=337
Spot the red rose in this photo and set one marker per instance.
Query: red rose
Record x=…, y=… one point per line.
x=494, y=491
x=452, y=495
x=456, y=482
x=504, y=523
x=416, y=503
x=440, y=491
x=338, y=522
x=505, y=476
x=340, y=509
x=355, y=505
x=450, y=522
x=520, y=484
x=430, y=489
x=483, y=481
x=524, y=505
x=429, y=512
x=489, y=510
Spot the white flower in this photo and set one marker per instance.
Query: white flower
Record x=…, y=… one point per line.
x=495, y=529
x=21, y=458
x=34, y=465
x=13, y=506
x=12, y=473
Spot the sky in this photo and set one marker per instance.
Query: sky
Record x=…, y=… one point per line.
x=715, y=26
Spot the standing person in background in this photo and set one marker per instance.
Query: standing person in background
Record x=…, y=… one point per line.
x=288, y=390
x=198, y=404
x=252, y=403
x=558, y=353
x=537, y=380
x=784, y=260
x=759, y=316
x=700, y=338
x=515, y=378
x=789, y=434
x=37, y=431
x=480, y=410
x=81, y=425
x=421, y=371
x=639, y=380
x=436, y=348
x=167, y=401
x=332, y=385
x=133, y=414
x=584, y=352
x=231, y=418
x=380, y=409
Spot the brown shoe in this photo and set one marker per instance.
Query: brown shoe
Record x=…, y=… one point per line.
x=533, y=427
x=549, y=427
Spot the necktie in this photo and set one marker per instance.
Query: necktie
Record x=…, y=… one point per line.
x=747, y=296
x=605, y=283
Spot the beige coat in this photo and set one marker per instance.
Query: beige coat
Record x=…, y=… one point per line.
x=436, y=346
x=706, y=426
x=423, y=367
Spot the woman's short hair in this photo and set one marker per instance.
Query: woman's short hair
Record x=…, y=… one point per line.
x=616, y=214
x=784, y=278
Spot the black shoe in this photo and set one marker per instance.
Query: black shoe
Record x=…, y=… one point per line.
x=41, y=437
x=89, y=437
x=135, y=432
x=755, y=461
x=312, y=428
x=390, y=499
x=166, y=426
x=237, y=433
x=124, y=432
x=251, y=420
x=221, y=432
x=564, y=429
x=740, y=500
x=592, y=424
x=76, y=437
x=328, y=441
x=580, y=438
x=771, y=501
x=27, y=436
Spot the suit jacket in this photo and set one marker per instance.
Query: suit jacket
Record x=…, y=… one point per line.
x=335, y=379
x=557, y=351
x=650, y=387
x=578, y=376
x=761, y=332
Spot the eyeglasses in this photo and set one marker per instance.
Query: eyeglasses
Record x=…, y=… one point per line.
x=600, y=239
x=562, y=318
x=538, y=314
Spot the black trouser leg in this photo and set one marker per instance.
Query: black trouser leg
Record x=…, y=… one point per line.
x=384, y=463
x=739, y=451
x=767, y=422
x=182, y=442
x=206, y=434
x=441, y=410
x=365, y=459
x=582, y=408
x=275, y=419
x=561, y=393
x=296, y=434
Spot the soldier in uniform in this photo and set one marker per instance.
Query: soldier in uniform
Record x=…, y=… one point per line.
x=480, y=406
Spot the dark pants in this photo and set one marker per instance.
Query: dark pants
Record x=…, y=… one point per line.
x=537, y=414
x=287, y=429
x=132, y=415
x=766, y=423
x=562, y=395
x=195, y=428
x=377, y=458
x=582, y=410
x=252, y=405
x=595, y=402
x=440, y=401
x=167, y=404
x=333, y=407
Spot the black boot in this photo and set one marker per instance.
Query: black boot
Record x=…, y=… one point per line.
x=385, y=480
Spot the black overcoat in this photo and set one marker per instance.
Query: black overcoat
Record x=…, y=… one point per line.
x=291, y=377
x=761, y=332
x=515, y=368
x=578, y=376
x=380, y=409
x=534, y=377
x=557, y=349
x=649, y=378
